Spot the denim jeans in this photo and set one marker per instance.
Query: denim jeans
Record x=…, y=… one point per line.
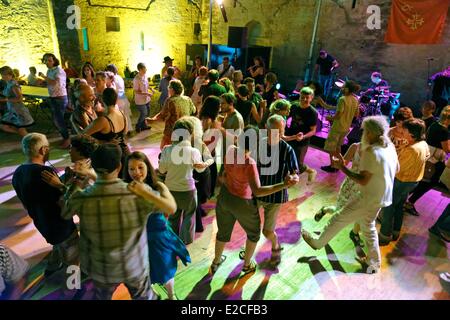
x=325, y=81
x=393, y=215
x=144, y=111
x=58, y=107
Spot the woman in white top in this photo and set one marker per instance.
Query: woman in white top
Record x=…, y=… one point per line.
x=178, y=161
x=122, y=102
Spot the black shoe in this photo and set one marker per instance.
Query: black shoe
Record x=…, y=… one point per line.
x=329, y=169
x=356, y=239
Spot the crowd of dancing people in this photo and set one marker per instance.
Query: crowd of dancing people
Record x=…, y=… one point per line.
x=232, y=138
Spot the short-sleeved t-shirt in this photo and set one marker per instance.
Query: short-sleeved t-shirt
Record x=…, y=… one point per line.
x=382, y=163
x=428, y=122
x=239, y=171
x=325, y=64
x=41, y=202
x=234, y=121
x=347, y=106
x=437, y=134
x=245, y=109
x=301, y=120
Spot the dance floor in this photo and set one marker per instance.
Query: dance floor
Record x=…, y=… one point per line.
x=410, y=267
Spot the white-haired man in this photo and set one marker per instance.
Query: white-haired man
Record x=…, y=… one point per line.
x=41, y=200
x=377, y=170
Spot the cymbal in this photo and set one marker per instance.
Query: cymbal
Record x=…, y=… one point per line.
x=383, y=87
x=340, y=83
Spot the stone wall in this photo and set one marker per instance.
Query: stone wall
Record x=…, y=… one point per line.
x=152, y=29
x=165, y=28
x=27, y=31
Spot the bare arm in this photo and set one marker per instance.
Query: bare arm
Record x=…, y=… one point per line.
x=311, y=133
x=164, y=201
x=255, y=114
x=261, y=191
x=446, y=146
x=95, y=126
x=18, y=96
x=362, y=178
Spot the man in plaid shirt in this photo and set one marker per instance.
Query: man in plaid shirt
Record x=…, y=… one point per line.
x=113, y=241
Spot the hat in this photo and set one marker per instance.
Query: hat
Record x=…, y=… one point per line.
x=167, y=59
x=106, y=158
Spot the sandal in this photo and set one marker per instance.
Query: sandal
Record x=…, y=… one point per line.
x=242, y=253
x=319, y=215
x=356, y=239
x=249, y=268
x=215, y=266
x=275, y=259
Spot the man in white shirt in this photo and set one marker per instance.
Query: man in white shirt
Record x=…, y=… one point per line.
x=378, y=167
x=225, y=69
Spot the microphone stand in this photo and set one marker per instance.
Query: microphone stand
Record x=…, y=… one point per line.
x=429, y=82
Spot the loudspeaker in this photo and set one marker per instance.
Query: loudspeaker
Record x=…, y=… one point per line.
x=197, y=29
x=237, y=37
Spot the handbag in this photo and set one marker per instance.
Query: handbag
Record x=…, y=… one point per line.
x=445, y=177
x=430, y=165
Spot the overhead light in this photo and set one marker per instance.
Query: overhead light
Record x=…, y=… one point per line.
x=222, y=9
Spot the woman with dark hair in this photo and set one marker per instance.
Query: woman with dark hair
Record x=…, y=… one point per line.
x=164, y=246
x=100, y=86
x=438, y=139
x=17, y=117
x=396, y=133
x=164, y=86
x=258, y=70
x=56, y=84
x=88, y=73
x=195, y=70
x=106, y=128
x=211, y=128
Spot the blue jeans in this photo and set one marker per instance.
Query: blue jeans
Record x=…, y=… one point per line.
x=392, y=219
x=58, y=107
x=325, y=82
x=144, y=110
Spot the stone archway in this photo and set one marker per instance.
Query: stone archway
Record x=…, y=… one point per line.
x=254, y=31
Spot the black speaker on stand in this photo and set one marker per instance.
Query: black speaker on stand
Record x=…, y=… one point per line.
x=238, y=37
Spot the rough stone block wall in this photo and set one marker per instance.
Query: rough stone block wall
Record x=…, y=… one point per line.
x=168, y=25
x=26, y=34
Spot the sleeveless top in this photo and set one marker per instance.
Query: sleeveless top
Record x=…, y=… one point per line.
x=259, y=79
x=117, y=136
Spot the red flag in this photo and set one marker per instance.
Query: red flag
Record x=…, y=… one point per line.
x=416, y=21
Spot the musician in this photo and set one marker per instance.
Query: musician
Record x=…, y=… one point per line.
x=325, y=64
x=441, y=89
x=225, y=69
x=378, y=82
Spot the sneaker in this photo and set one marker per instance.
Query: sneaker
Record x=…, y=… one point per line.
x=410, y=209
x=372, y=270
x=312, y=176
x=308, y=239
x=329, y=169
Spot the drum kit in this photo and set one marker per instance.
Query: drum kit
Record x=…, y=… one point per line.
x=374, y=101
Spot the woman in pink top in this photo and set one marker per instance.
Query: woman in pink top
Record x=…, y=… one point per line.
x=235, y=202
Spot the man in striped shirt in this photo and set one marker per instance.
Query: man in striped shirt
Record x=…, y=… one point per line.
x=282, y=161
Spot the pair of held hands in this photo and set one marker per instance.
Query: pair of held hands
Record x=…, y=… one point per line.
x=80, y=169
x=291, y=180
